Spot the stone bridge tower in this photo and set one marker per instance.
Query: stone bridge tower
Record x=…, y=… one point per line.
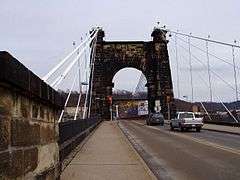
x=149, y=57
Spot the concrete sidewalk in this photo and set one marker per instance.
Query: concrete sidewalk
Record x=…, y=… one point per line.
x=107, y=155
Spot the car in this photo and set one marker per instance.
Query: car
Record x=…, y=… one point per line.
x=185, y=121
x=155, y=118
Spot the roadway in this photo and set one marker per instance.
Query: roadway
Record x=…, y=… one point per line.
x=188, y=155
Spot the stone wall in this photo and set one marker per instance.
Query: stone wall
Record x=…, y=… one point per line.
x=28, y=123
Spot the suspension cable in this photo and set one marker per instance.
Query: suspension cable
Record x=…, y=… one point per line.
x=190, y=65
x=209, y=73
x=235, y=73
x=66, y=102
x=200, y=38
x=78, y=103
x=67, y=70
x=48, y=75
x=140, y=85
x=220, y=101
x=80, y=90
x=204, y=108
x=135, y=90
x=92, y=74
x=87, y=89
x=197, y=59
x=176, y=50
x=221, y=59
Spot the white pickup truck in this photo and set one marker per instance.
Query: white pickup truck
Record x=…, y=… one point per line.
x=185, y=121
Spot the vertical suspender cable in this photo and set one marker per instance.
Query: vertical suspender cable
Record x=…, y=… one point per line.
x=86, y=69
x=176, y=50
x=66, y=102
x=91, y=77
x=209, y=73
x=235, y=73
x=78, y=103
x=85, y=113
x=80, y=90
x=204, y=108
x=190, y=65
x=87, y=89
x=221, y=102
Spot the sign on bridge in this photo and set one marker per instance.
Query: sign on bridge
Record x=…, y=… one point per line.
x=143, y=108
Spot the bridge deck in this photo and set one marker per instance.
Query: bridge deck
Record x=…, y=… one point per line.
x=106, y=155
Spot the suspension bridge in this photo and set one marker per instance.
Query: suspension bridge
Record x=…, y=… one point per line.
x=39, y=140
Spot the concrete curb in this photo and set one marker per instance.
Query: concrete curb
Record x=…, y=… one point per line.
x=215, y=130
x=222, y=131
x=130, y=143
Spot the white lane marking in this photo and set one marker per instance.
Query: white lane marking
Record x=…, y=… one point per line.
x=217, y=146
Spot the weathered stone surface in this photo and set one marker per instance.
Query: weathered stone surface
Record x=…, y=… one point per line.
x=28, y=137
x=149, y=57
x=6, y=104
x=35, y=110
x=15, y=73
x=25, y=108
x=24, y=133
x=4, y=163
x=30, y=159
x=16, y=167
x=47, y=157
x=4, y=132
x=47, y=175
x=47, y=133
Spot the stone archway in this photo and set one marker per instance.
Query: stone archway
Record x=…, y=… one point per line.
x=149, y=57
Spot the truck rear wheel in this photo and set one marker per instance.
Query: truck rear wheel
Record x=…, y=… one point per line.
x=198, y=129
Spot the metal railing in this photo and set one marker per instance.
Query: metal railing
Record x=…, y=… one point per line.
x=72, y=133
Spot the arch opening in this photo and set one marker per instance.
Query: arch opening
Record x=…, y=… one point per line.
x=128, y=79
x=129, y=94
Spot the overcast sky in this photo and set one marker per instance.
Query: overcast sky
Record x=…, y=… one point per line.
x=40, y=33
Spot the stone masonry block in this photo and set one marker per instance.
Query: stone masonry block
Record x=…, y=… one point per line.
x=16, y=164
x=5, y=113
x=30, y=159
x=47, y=133
x=24, y=133
x=4, y=164
x=4, y=132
